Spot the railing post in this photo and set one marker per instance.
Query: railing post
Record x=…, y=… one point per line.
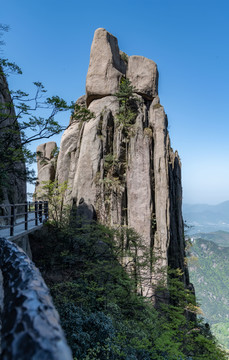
x=26, y=215
x=36, y=213
x=40, y=211
x=12, y=220
x=46, y=210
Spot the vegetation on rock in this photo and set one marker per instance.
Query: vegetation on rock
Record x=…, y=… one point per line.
x=81, y=113
x=124, y=57
x=53, y=192
x=101, y=312
x=127, y=103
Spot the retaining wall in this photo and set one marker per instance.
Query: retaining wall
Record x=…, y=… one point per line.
x=30, y=323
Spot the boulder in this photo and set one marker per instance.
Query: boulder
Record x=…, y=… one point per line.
x=106, y=66
x=83, y=214
x=143, y=74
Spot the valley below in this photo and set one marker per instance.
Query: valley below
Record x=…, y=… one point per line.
x=208, y=256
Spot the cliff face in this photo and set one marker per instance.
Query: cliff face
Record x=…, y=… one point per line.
x=46, y=165
x=126, y=169
x=12, y=179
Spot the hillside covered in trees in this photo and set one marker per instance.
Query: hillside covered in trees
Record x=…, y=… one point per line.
x=209, y=272
x=101, y=311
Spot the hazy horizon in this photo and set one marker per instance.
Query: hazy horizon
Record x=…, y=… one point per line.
x=215, y=204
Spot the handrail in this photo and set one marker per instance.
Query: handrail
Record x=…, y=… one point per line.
x=30, y=323
x=40, y=214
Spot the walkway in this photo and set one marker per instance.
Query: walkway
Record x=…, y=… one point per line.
x=24, y=223
x=19, y=230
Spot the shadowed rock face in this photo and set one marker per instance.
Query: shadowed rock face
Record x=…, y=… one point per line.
x=13, y=190
x=128, y=172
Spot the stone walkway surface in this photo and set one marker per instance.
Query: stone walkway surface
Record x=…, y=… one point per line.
x=19, y=229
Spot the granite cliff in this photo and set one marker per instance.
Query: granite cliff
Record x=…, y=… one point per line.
x=126, y=168
x=46, y=165
x=12, y=179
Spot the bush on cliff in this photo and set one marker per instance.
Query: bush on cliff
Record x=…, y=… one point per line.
x=102, y=314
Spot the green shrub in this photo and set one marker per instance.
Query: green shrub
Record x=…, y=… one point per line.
x=157, y=106
x=124, y=57
x=87, y=332
x=127, y=104
x=101, y=312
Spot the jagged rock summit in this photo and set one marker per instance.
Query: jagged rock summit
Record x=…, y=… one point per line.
x=120, y=161
x=108, y=64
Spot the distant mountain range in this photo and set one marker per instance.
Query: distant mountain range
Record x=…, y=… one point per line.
x=206, y=218
x=220, y=238
x=209, y=269
x=208, y=262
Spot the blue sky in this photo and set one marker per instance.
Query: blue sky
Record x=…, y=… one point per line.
x=189, y=41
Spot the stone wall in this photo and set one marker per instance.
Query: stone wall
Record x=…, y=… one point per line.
x=30, y=323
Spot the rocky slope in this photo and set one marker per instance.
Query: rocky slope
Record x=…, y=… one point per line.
x=125, y=167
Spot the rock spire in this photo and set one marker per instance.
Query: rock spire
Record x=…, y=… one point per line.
x=125, y=167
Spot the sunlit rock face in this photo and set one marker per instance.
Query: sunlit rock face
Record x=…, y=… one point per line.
x=143, y=75
x=127, y=172
x=46, y=167
x=106, y=66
